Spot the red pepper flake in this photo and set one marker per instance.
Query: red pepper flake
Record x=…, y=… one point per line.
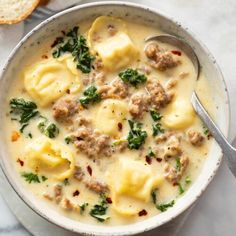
x=108, y=199
x=120, y=126
x=142, y=213
x=63, y=32
x=148, y=160
x=175, y=184
x=159, y=159
x=76, y=193
x=20, y=162
x=176, y=52
x=44, y=56
x=90, y=171
x=68, y=91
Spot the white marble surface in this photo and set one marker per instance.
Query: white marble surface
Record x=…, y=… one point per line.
x=213, y=21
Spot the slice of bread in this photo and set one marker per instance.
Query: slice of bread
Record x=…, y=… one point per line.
x=14, y=11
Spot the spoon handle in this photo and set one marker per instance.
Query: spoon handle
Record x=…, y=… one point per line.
x=228, y=150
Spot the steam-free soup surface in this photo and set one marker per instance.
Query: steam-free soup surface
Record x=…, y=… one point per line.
x=100, y=124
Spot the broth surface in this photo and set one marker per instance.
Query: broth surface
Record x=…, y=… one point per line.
x=77, y=174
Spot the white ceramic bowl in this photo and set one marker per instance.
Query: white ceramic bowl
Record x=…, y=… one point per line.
x=144, y=15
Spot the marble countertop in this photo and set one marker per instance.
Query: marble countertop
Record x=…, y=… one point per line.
x=213, y=21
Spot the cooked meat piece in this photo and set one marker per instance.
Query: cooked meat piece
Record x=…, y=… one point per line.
x=79, y=174
x=172, y=174
x=58, y=193
x=98, y=64
x=47, y=196
x=171, y=83
x=93, y=143
x=66, y=204
x=117, y=89
x=164, y=137
x=172, y=149
x=96, y=186
x=83, y=121
x=99, y=78
x=65, y=108
x=183, y=75
x=195, y=138
x=120, y=147
x=160, y=59
x=158, y=96
x=146, y=69
x=139, y=103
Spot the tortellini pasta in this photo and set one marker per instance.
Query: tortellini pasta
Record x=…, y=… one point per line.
x=46, y=154
x=179, y=114
x=48, y=80
x=131, y=181
x=109, y=38
x=110, y=113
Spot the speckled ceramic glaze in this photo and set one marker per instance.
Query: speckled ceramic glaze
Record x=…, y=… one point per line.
x=144, y=15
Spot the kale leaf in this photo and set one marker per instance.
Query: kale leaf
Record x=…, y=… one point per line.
x=90, y=96
x=25, y=110
x=165, y=206
x=132, y=77
x=83, y=207
x=136, y=136
x=157, y=129
x=156, y=116
x=99, y=210
x=31, y=177
x=77, y=46
x=48, y=128
x=154, y=195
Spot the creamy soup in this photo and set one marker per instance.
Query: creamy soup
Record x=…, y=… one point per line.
x=100, y=124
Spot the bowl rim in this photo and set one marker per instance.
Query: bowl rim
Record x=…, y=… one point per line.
x=195, y=196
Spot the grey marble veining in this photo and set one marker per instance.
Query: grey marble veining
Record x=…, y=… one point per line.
x=214, y=23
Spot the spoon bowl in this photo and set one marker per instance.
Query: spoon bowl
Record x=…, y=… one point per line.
x=181, y=44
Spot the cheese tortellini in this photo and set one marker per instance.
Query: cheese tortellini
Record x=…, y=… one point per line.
x=46, y=154
x=179, y=114
x=131, y=182
x=109, y=38
x=48, y=80
x=110, y=113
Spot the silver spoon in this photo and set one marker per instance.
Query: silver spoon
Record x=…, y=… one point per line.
x=228, y=150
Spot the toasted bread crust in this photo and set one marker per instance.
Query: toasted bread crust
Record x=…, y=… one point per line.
x=23, y=16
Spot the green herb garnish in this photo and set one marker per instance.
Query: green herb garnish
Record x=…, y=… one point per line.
x=150, y=152
x=165, y=206
x=157, y=129
x=99, y=210
x=44, y=178
x=48, y=128
x=77, y=46
x=30, y=135
x=132, y=77
x=188, y=180
x=136, y=136
x=91, y=96
x=154, y=196
x=66, y=182
x=30, y=177
x=206, y=130
x=156, y=116
x=25, y=110
x=83, y=207
x=178, y=165
x=181, y=189
x=119, y=142
x=68, y=139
